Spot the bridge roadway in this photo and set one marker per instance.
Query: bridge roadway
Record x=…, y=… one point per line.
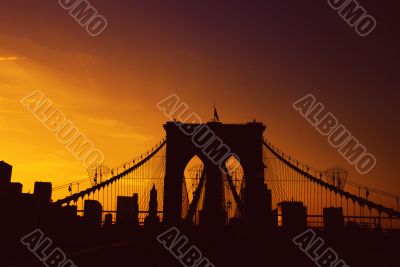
x=233, y=248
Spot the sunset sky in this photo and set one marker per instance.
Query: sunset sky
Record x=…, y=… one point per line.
x=254, y=59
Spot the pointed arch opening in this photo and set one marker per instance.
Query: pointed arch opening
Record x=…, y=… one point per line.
x=191, y=183
x=234, y=184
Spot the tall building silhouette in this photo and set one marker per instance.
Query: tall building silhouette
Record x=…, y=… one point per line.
x=152, y=218
x=93, y=213
x=42, y=192
x=5, y=173
x=128, y=210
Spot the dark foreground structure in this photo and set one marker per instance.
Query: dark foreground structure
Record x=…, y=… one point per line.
x=251, y=217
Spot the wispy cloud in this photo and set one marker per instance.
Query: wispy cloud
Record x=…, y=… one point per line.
x=11, y=58
x=117, y=129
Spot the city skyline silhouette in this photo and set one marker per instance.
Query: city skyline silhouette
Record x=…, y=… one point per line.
x=239, y=193
x=200, y=134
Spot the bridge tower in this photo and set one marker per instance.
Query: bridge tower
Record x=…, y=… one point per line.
x=214, y=143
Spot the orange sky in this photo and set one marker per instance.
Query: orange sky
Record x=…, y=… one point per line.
x=253, y=60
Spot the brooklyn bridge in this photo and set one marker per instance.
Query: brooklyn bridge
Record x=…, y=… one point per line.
x=242, y=212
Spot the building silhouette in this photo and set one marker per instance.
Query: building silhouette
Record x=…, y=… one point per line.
x=5, y=173
x=42, y=192
x=128, y=211
x=152, y=219
x=293, y=215
x=93, y=213
x=333, y=219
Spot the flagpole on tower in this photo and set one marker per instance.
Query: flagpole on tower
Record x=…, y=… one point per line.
x=216, y=117
x=214, y=111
